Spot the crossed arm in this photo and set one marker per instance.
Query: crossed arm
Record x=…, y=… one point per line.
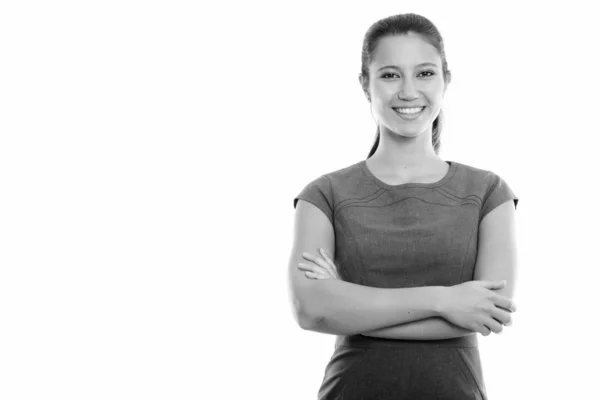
x=496, y=260
x=426, y=329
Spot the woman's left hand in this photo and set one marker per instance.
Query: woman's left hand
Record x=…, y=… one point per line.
x=323, y=267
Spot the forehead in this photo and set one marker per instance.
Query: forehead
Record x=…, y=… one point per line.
x=404, y=51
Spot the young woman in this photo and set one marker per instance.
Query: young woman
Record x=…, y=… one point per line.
x=404, y=256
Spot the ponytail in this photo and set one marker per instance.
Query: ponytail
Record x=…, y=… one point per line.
x=376, y=144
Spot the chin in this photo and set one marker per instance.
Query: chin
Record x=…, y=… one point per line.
x=409, y=132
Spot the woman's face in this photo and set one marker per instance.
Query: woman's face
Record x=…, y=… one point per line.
x=406, y=84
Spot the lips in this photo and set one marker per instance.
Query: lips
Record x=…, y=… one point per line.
x=411, y=114
x=409, y=110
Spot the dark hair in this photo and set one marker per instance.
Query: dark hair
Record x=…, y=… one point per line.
x=402, y=24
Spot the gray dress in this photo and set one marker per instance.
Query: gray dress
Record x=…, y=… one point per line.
x=401, y=236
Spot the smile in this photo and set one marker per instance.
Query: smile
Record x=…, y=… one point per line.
x=409, y=111
x=409, y=114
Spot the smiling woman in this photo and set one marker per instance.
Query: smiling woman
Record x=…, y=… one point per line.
x=404, y=233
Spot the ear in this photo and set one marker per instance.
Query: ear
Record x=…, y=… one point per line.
x=447, y=82
x=365, y=86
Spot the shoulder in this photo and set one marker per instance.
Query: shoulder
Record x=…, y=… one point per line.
x=491, y=189
x=344, y=172
x=332, y=181
x=475, y=173
x=338, y=185
x=336, y=178
x=470, y=180
x=341, y=179
x=475, y=179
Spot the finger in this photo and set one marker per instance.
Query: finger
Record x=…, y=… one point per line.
x=484, y=330
x=309, y=256
x=312, y=268
x=315, y=259
x=493, y=285
x=330, y=268
x=313, y=275
x=505, y=302
x=503, y=309
x=327, y=257
x=329, y=261
x=322, y=263
x=501, y=315
x=494, y=325
x=316, y=269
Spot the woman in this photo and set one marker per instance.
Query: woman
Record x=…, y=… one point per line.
x=404, y=256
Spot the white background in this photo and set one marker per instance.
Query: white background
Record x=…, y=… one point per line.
x=150, y=153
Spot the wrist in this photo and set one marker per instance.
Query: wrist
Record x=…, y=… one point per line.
x=440, y=293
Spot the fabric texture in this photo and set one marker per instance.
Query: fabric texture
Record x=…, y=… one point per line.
x=401, y=236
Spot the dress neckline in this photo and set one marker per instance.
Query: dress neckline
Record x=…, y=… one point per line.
x=449, y=174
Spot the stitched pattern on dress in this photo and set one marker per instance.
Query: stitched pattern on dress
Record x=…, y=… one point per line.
x=461, y=356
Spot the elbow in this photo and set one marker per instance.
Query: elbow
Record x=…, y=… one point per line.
x=305, y=319
x=307, y=322
x=315, y=323
x=308, y=308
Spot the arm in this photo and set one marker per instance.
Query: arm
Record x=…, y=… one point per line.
x=496, y=260
x=343, y=308
x=497, y=248
x=434, y=328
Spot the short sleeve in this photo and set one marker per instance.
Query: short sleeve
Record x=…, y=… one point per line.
x=319, y=193
x=498, y=193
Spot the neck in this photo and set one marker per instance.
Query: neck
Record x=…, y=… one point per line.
x=397, y=151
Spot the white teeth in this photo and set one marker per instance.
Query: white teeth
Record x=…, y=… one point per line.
x=409, y=110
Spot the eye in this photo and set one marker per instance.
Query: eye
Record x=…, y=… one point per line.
x=431, y=73
x=386, y=74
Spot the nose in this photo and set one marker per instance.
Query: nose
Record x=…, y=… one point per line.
x=407, y=90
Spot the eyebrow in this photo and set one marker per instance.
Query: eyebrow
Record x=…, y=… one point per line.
x=420, y=65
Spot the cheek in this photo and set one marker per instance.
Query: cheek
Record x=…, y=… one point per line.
x=435, y=90
x=435, y=99
x=382, y=93
x=382, y=109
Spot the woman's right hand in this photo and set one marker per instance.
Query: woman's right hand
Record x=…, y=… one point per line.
x=473, y=305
